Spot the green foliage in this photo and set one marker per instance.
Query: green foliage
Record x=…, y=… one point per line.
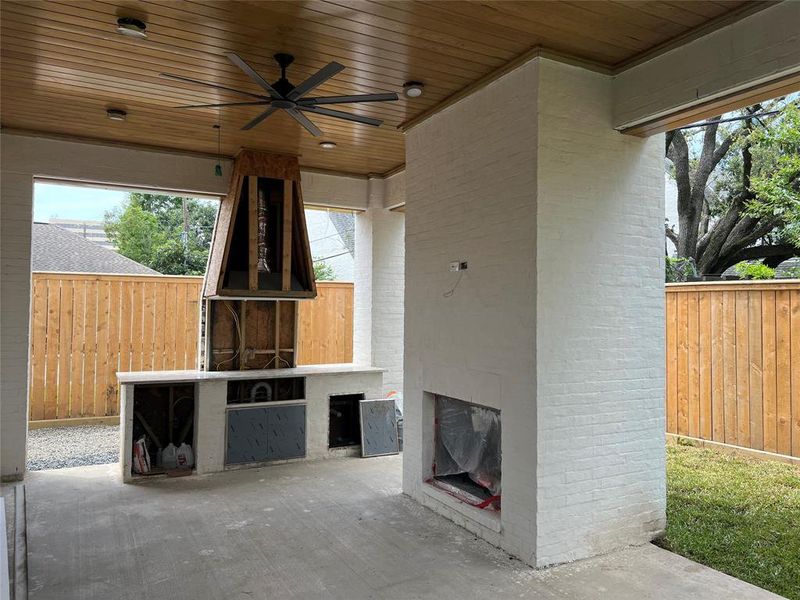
x=754, y=270
x=323, y=271
x=151, y=229
x=777, y=181
x=679, y=269
x=740, y=516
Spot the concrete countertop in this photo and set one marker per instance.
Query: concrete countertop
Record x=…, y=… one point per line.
x=192, y=376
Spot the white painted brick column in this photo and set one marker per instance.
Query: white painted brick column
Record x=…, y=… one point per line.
x=16, y=216
x=379, y=285
x=558, y=321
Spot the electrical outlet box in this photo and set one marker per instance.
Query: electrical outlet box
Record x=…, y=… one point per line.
x=458, y=265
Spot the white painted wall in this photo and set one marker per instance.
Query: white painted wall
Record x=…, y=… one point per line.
x=600, y=323
x=558, y=320
x=471, y=195
x=25, y=157
x=759, y=48
x=379, y=284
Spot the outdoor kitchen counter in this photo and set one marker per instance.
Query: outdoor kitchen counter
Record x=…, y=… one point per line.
x=137, y=377
x=212, y=408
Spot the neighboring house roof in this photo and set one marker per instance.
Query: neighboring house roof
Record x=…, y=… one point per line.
x=56, y=249
x=94, y=231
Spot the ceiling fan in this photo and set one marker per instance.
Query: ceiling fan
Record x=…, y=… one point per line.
x=282, y=95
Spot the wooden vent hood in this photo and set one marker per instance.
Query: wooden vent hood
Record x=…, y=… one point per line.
x=260, y=246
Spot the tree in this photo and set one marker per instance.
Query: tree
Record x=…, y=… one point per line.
x=738, y=188
x=167, y=233
x=323, y=271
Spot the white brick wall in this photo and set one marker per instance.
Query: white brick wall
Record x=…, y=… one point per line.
x=558, y=320
x=600, y=323
x=379, y=282
x=471, y=195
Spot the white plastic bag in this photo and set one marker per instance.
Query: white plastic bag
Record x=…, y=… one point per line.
x=169, y=457
x=185, y=456
x=141, y=458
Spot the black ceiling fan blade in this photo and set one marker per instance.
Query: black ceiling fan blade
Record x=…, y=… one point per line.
x=347, y=99
x=259, y=118
x=304, y=121
x=251, y=72
x=315, y=80
x=213, y=85
x=342, y=115
x=259, y=103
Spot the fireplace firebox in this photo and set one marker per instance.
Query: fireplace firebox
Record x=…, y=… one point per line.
x=467, y=454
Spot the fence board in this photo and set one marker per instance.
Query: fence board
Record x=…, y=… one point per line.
x=325, y=326
x=86, y=327
x=733, y=363
x=742, y=371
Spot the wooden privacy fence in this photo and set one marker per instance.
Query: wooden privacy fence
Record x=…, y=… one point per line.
x=325, y=325
x=86, y=327
x=733, y=363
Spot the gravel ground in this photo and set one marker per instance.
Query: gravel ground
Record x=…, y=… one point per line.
x=60, y=447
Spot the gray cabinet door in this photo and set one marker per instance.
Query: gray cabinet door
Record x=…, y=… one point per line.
x=286, y=432
x=247, y=435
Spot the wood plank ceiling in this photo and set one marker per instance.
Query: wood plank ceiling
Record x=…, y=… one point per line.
x=63, y=64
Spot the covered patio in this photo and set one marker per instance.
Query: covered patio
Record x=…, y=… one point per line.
x=335, y=530
x=506, y=164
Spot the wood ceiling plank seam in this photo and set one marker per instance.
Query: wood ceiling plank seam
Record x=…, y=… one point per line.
x=183, y=47
x=569, y=17
x=433, y=91
x=140, y=119
x=312, y=68
x=516, y=40
x=600, y=50
x=322, y=164
x=380, y=22
x=191, y=43
x=368, y=50
x=400, y=16
x=362, y=165
x=702, y=9
x=315, y=14
x=658, y=9
x=79, y=92
x=149, y=81
x=397, y=43
x=656, y=27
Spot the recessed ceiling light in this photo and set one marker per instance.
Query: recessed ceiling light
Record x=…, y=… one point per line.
x=413, y=89
x=116, y=114
x=132, y=27
x=328, y=145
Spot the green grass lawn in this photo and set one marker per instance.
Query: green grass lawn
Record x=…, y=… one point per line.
x=737, y=515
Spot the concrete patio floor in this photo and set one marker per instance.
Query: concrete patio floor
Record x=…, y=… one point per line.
x=329, y=529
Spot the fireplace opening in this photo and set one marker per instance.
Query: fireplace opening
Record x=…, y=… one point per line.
x=467, y=455
x=344, y=422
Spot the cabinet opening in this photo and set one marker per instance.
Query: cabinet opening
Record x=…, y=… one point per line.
x=345, y=423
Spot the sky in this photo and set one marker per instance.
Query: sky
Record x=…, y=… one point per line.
x=73, y=202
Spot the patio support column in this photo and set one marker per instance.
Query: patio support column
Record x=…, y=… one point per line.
x=558, y=320
x=379, y=279
x=16, y=216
